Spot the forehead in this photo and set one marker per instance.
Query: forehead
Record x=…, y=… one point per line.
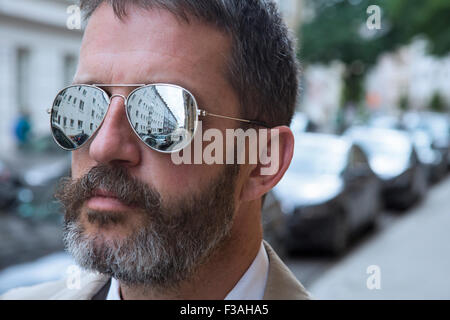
x=149, y=46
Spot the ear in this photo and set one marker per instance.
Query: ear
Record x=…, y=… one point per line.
x=276, y=148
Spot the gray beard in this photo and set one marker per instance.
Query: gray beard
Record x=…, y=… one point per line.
x=167, y=248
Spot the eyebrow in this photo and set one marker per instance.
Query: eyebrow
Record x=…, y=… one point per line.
x=101, y=84
x=89, y=82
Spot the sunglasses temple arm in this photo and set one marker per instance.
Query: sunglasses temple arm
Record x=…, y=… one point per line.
x=204, y=113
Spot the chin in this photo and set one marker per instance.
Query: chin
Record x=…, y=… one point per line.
x=108, y=225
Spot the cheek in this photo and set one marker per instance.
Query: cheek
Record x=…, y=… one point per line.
x=81, y=162
x=176, y=181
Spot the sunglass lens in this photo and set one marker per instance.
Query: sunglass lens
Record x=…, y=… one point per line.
x=163, y=116
x=77, y=112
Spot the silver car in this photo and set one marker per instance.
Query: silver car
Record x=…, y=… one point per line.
x=328, y=194
x=394, y=159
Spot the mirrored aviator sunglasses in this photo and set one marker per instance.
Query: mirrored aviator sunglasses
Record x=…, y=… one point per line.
x=163, y=116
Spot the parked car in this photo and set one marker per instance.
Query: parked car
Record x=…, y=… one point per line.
x=274, y=222
x=36, y=196
x=63, y=139
x=328, y=193
x=9, y=185
x=436, y=124
x=302, y=123
x=393, y=158
x=431, y=158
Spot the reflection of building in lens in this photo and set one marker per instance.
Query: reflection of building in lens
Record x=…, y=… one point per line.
x=78, y=111
x=151, y=114
x=189, y=111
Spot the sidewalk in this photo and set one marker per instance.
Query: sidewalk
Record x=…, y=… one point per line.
x=413, y=256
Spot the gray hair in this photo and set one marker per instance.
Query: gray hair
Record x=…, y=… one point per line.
x=263, y=69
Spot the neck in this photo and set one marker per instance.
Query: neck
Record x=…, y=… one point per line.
x=218, y=276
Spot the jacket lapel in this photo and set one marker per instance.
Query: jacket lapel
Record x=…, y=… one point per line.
x=281, y=282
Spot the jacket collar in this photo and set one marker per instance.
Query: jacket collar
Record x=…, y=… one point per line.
x=281, y=282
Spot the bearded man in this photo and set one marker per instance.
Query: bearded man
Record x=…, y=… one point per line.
x=141, y=226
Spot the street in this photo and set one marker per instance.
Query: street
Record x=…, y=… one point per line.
x=410, y=252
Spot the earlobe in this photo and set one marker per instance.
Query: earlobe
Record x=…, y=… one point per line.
x=276, y=149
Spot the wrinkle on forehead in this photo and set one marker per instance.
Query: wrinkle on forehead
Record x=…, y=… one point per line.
x=140, y=36
x=154, y=30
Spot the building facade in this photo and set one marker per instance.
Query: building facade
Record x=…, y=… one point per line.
x=38, y=57
x=408, y=72
x=150, y=114
x=79, y=110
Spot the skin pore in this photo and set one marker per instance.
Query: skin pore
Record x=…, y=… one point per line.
x=153, y=46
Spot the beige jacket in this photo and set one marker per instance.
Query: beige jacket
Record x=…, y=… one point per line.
x=281, y=285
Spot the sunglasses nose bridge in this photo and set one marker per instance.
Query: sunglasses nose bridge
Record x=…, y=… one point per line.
x=120, y=96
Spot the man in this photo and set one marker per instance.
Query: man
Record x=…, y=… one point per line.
x=151, y=228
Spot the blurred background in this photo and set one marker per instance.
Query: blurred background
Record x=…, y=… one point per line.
x=364, y=210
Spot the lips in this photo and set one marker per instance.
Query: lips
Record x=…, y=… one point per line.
x=103, y=200
x=104, y=193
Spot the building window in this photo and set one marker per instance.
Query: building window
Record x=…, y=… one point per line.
x=91, y=127
x=80, y=124
x=81, y=105
x=70, y=66
x=65, y=121
x=23, y=78
x=72, y=122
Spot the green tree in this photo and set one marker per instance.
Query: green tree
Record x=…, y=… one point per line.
x=409, y=18
x=437, y=103
x=339, y=32
x=403, y=103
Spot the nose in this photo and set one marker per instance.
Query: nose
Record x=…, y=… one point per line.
x=115, y=141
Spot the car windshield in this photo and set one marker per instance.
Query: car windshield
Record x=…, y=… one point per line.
x=316, y=158
x=394, y=147
x=438, y=127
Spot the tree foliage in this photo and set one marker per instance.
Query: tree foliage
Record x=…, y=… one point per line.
x=429, y=18
x=339, y=32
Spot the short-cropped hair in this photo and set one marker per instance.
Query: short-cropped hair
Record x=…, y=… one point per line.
x=262, y=67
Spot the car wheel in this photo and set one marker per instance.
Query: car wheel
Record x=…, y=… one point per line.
x=340, y=236
x=374, y=217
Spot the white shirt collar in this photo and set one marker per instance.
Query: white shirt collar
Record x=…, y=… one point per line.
x=114, y=290
x=250, y=287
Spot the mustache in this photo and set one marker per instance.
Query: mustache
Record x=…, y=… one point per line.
x=115, y=179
